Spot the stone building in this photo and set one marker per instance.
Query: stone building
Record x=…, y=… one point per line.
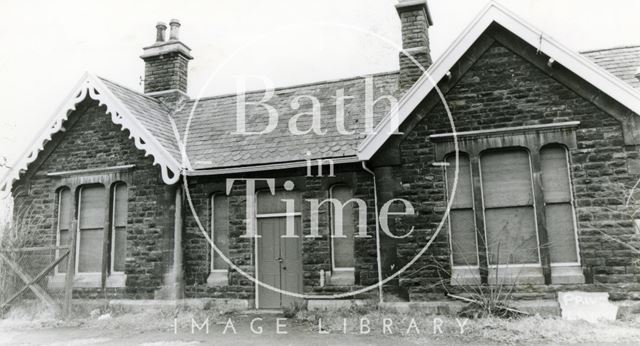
x=547, y=146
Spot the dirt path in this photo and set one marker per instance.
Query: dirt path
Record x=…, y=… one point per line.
x=81, y=336
x=189, y=328
x=89, y=336
x=145, y=330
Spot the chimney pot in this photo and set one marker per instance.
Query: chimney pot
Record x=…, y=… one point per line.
x=175, y=30
x=160, y=29
x=166, y=62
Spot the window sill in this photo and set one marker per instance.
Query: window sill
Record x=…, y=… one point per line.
x=560, y=275
x=568, y=274
x=465, y=276
x=92, y=280
x=515, y=274
x=342, y=278
x=218, y=278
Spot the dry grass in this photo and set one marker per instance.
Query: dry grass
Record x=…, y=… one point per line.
x=31, y=313
x=539, y=330
x=22, y=233
x=525, y=330
x=528, y=330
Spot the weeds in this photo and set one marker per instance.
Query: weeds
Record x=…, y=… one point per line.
x=19, y=234
x=293, y=309
x=492, y=299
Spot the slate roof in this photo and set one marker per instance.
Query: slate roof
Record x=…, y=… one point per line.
x=151, y=113
x=622, y=62
x=212, y=143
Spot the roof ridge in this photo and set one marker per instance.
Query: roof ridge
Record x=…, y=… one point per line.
x=610, y=48
x=302, y=85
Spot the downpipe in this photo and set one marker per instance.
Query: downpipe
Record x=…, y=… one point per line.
x=378, y=254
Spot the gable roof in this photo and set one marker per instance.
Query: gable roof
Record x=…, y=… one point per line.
x=495, y=13
x=136, y=113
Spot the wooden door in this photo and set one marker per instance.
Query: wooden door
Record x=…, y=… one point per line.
x=279, y=257
x=291, y=253
x=269, y=271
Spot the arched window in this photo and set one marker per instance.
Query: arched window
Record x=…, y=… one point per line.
x=464, y=247
x=558, y=205
x=63, y=229
x=91, y=221
x=342, y=230
x=219, y=231
x=119, y=199
x=96, y=213
x=510, y=221
x=519, y=201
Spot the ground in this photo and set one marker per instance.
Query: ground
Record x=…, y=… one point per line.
x=104, y=326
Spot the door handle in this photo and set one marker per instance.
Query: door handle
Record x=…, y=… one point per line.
x=280, y=259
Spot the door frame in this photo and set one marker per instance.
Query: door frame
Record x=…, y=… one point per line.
x=257, y=216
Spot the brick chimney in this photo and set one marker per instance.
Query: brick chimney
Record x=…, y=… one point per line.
x=415, y=21
x=166, y=63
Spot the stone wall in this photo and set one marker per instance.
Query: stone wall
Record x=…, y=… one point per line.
x=502, y=89
x=91, y=140
x=316, y=252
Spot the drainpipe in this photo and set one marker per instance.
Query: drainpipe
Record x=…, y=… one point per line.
x=177, y=247
x=378, y=254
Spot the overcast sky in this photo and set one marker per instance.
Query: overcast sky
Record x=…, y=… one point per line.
x=47, y=45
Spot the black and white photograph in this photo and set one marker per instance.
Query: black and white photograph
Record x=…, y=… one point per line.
x=305, y=172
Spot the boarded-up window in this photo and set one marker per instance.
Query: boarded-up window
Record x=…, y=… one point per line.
x=342, y=246
x=65, y=210
x=91, y=225
x=558, y=205
x=119, y=227
x=461, y=215
x=219, y=230
x=509, y=213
